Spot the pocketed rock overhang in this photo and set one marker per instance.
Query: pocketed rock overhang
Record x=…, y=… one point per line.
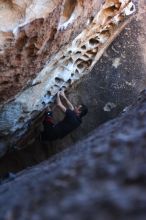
x=44, y=52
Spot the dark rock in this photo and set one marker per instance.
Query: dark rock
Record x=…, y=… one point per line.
x=98, y=178
x=3, y=148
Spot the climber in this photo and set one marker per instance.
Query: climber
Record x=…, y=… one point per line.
x=72, y=119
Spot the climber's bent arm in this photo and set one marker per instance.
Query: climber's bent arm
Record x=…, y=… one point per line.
x=69, y=104
x=59, y=103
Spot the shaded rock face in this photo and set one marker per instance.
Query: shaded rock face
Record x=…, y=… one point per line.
x=102, y=177
x=107, y=90
x=38, y=44
x=116, y=80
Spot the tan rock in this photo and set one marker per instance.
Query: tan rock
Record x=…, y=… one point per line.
x=31, y=31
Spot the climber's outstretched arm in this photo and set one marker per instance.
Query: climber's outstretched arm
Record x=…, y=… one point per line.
x=59, y=103
x=68, y=103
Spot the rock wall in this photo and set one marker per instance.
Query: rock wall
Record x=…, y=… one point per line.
x=102, y=177
x=113, y=84
x=35, y=49
x=31, y=31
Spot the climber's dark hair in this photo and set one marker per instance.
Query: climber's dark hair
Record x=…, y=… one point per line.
x=84, y=110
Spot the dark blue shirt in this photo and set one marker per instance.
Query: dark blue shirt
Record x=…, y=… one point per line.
x=53, y=132
x=70, y=122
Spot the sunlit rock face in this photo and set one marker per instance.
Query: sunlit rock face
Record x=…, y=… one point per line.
x=44, y=48
x=31, y=31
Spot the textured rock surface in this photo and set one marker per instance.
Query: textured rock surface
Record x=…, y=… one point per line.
x=102, y=177
x=62, y=69
x=31, y=31
x=116, y=79
x=118, y=86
